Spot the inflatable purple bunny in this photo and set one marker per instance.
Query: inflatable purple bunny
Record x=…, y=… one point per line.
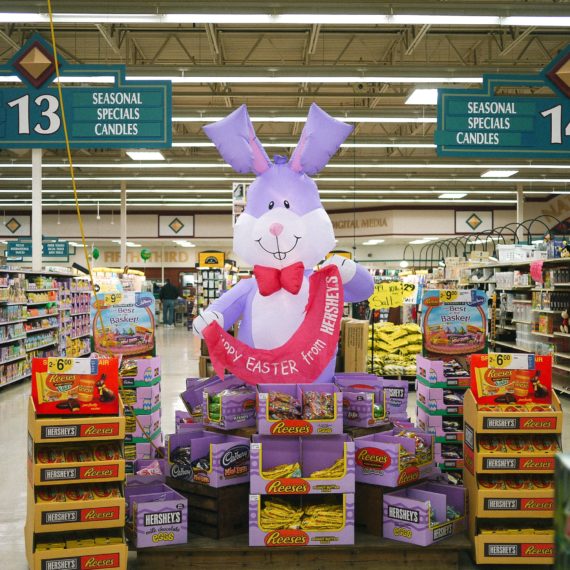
x=284, y=227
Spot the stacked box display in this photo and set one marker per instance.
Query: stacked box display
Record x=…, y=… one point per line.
x=76, y=504
x=441, y=387
x=509, y=463
x=141, y=395
x=302, y=468
x=562, y=514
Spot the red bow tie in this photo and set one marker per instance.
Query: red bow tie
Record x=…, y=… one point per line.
x=270, y=280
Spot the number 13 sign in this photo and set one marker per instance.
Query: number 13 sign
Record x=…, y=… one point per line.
x=103, y=109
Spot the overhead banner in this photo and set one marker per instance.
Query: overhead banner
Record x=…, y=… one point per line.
x=484, y=122
x=113, y=113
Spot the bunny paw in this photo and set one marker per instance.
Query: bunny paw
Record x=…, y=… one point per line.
x=346, y=267
x=203, y=320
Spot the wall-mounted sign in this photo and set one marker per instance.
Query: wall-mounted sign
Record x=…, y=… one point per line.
x=176, y=226
x=50, y=249
x=15, y=226
x=211, y=259
x=471, y=221
x=480, y=122
x=120, y=113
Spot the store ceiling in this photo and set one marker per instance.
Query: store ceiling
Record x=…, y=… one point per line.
x=358, y=60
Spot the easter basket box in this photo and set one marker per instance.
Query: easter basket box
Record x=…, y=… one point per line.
x=299, y=409
x=320, y=464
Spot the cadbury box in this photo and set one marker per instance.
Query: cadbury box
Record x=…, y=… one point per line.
x=521, y=548
x=156, y=516
x=419, y=514
x=140, y=372
x=381, y=458
x=339, y=532
x=228, y=405
x=439, y=401
x=444, y=428
x=312, y=456
x=307, y=423
x=442, y=374
x=213, y=459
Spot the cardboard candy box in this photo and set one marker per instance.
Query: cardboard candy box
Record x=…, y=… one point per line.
x=142, y=400
x=449, y=373
x=445, y=428
x=299, y=409
x=217, y=460
x=424, y=514
x=368, y=401
x=439, y=401
x=140, y=372
x=298, y=522
x=75, y=386
x=193, y=397
x=150, y=423
x=156, y=515
x=392, y=460
x=285, y=466
x=228, y=405
x=148, y=471
x=449, y=455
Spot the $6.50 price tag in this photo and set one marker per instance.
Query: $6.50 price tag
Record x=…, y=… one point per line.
x=72, y=365
x=511, y=361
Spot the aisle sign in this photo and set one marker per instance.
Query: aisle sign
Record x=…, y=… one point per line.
x=19, y=249
x=50, y=249
x=113, y=113
x=478, y=122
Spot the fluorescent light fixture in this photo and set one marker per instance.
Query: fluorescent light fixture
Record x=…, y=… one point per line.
x=183, y=243
x=422, y=97
x=537, y=241
x=287, y=18
x=145, y=155
x=452, y=195
x=373, y=242
x=404, y=264
x=419, y=241
x=204, y=144
x=75, y=244
x=498, y=173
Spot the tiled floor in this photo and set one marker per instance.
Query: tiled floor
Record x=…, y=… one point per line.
x=179, y=352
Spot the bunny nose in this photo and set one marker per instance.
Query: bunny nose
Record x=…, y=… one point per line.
x=275, y=229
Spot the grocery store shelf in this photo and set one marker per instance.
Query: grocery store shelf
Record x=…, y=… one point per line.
x=565, y=335
x=74, y=314
x=561, y=284
x=507, y=327
x=41, y=316
x=12, y=303
x=80, y=336
x=522, y=301
x=40, y=303
x=42, y=329
x=6, y=341
x=4, y=323
x=41, y=346
x=561, y=367
x=544, y=289
x=563, y=355
x=521, y=322
x=547, y=335
x=509, y=345
x=13, y=359
x=41, y=290
x=26, y=375
x=550, y=311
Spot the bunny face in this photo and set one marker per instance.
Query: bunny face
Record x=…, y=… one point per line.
x=284, y=221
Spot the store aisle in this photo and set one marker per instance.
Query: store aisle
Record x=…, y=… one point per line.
x=179, y=351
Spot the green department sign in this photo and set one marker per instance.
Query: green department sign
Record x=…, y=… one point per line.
x=102, y=108
x=483, y=122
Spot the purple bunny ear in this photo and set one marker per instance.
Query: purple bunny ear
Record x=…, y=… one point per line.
x=320, y=139
x=235, y=139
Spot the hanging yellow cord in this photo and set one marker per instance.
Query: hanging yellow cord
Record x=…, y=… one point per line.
x=78, y=209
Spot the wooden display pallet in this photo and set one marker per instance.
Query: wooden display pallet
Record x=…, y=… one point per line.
x=369, y=553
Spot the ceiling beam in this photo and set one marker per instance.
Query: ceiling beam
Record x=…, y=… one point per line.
x=6, y=36
x=520, y=37
x=417, y=38
x=107, y=34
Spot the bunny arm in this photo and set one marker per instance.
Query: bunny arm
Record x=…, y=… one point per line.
x=231, y=304
x=360, y=287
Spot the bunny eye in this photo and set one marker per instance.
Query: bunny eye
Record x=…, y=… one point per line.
x=271, y=204
x=286, y=204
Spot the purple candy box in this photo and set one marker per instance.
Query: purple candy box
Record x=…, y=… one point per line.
x=433, y=399
x=224, y=458
x=156, y=515
x=236, y=411
x=379, y=461
x=297, y=427
x=298, y=537
x=313, y=454
x=435, y=424
x=407, y=513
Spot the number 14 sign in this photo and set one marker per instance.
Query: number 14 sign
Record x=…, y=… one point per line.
x=480, y=122
x=103, y=109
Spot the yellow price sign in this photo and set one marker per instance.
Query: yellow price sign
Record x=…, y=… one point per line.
x=408, y=289
x=500, y=360
x=448, y=295
x=60, y=365
x=112, y=298
x=386, y=295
